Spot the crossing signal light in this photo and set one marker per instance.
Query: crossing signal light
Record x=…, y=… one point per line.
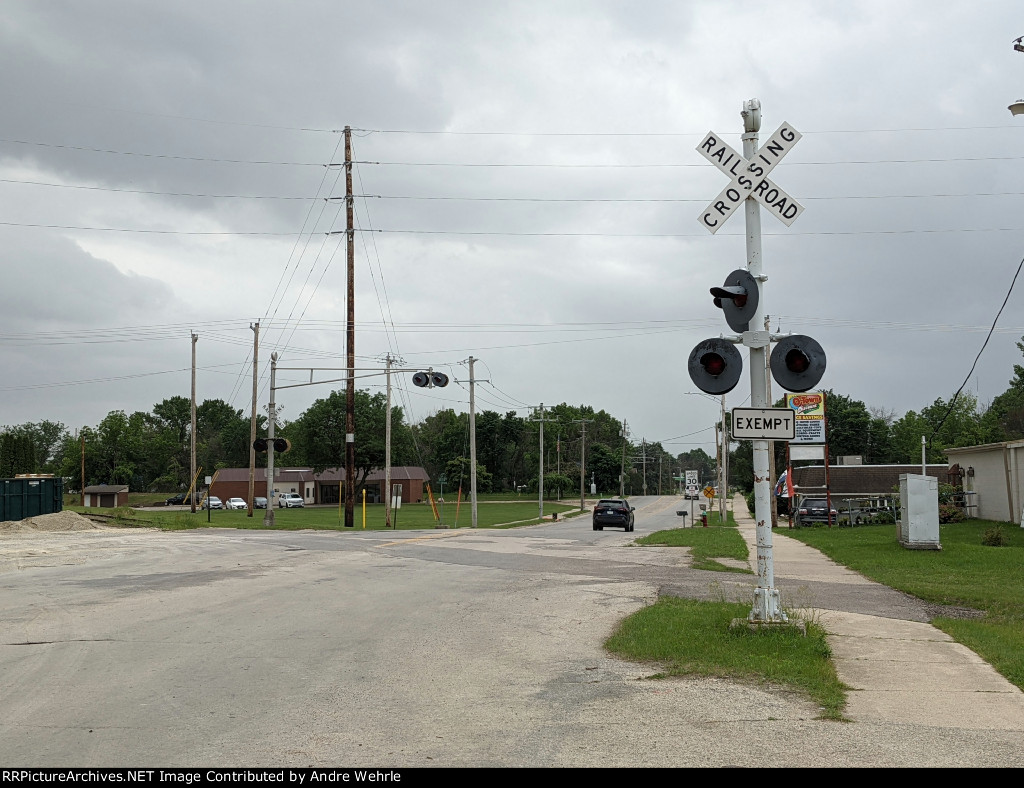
x=280, y=444
x=715, y=366
x=430, y=379
x=797, y=363
x=738, y=298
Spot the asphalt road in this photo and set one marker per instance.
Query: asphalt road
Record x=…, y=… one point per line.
x=448, y=648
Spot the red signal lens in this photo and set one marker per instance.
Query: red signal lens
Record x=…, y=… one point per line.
x=796, y=361
x=713, y=363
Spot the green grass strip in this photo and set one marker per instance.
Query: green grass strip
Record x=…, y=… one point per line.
x=693, y=638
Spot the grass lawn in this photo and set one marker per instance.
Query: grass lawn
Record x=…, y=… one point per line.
x=409, y=517
x=692, y=638
x=965, y=573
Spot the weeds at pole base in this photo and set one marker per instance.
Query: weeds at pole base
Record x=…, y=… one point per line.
x=688, y=637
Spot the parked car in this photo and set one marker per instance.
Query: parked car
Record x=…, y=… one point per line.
x=181, y=499
x=236, y=503
x=259, y=503
x=614, y=512
x=815, y=510
x=290, y=500
x=212, y=502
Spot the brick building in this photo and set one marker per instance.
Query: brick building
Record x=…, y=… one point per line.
x=317, y=488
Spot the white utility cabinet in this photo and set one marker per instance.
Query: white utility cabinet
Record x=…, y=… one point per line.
x=918, y=528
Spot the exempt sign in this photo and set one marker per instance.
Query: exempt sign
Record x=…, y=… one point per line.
x=773, y=424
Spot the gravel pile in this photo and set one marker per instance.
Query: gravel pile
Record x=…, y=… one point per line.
x=58, y=521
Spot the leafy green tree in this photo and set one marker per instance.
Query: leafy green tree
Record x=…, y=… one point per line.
x=322, y=428
x=1004, y=418
x=557, y=485
x=442, y=437
x=700, y=461
x=223, y=435
x=17, y=454
x=122, y=449
x=603, y=466
x=457, y=474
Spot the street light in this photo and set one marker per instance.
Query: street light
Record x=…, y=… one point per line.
x=1017, y=107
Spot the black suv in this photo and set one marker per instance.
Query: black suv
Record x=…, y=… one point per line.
x=614, y=512
x=181, y=499
x=815, y=510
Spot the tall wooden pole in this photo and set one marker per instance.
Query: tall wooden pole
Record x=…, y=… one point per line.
x=350, y=342
x=387, y=450
x=252, y=420
x=472, y=445
x=192, y=477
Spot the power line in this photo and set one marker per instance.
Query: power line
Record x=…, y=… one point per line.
x=162, y=156
x=448, y=132
x=952, y=402
x=463, y=198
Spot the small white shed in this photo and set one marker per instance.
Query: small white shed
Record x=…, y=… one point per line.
x=995, y=473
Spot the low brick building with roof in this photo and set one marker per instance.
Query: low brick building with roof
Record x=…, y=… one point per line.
x=317, y=488
x=108, y=496
x=859, y=481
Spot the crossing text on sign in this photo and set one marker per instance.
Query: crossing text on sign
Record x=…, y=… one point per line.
x=748, y=178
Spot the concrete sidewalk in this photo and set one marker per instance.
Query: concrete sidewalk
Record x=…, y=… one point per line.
x=899, y=671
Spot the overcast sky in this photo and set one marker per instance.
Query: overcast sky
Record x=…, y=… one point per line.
x=528, y=192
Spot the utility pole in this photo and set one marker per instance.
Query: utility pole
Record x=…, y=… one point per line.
x=643, y=463
x=472, y=444
x=350, y=342
x=387, y=447
x=558, y=457
x=195, y=338
x=252, y=422
x=624, y=432
x=644, y=444
x=82, y=502
x=268, y=518
x=540, y=477
x=660, y=458
x=583, y=458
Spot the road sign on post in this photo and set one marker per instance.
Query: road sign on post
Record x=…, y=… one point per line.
x=770, y=424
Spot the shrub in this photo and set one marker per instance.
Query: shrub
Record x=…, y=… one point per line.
x=950, y=514
x=885, y=518
x=994, y=537
x=749, y=497
x=124, y=514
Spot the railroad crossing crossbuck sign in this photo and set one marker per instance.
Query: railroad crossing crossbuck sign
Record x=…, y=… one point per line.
x=749, y=178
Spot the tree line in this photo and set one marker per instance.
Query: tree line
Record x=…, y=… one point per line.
x=151, y=451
